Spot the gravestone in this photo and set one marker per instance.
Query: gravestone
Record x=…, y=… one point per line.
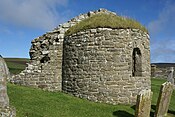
x=143, y=105
x=5, y=110
x=170, y=75
x=164, y=99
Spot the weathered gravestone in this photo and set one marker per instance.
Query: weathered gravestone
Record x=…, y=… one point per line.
x=5, y=110
x=143, y=105
x=170, y=75
x=164, y=99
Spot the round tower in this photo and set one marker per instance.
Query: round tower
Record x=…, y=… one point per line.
x=106, y=58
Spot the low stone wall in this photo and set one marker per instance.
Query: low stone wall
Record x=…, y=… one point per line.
x=98, y=65
x=160, y=72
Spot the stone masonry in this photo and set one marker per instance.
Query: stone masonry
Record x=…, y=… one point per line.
x=98, y=65
x=161, y=71
x=103, y=64
x=45, y=68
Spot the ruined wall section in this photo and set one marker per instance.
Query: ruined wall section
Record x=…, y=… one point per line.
x=97, y=65
x=45, y=68
x=45, y=53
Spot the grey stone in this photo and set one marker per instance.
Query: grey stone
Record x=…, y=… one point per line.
x=4, y=74
x=170, y=75
x=66, y=25
x=93, y=30
x=143, y=105
x=61, y=36
x=5, y=110
x=115, y=70
x=164, y=99
x=45, y=52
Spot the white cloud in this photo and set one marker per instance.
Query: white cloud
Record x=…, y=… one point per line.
x=165, y=20
x=41, y=14
x=162, y=34
x=163, y=51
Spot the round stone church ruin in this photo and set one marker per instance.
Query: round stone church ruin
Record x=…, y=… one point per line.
x=109, y=64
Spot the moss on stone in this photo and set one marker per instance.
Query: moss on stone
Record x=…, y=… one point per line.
x=103, y=20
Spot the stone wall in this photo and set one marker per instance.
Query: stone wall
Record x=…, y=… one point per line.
x=98, y=64
x=103, y=64
x=45, y=68
x=161, y=71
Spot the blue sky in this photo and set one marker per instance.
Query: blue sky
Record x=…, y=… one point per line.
x=23, y=20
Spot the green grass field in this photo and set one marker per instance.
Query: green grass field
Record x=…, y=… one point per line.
x=37, y=103
x=16, y=65
x=30, y=102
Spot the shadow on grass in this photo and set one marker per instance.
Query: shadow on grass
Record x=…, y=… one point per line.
x=133, y=107
x=122, y=113
x=171, y=112
x=153, y=107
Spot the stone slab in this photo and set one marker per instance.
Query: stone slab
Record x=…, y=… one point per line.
x=4, y=73
x=5, y=110
x=164, y=99
x=143, y=105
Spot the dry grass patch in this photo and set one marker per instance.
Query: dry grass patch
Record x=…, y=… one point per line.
x=103, y=20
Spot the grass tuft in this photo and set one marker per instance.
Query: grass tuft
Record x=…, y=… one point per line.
x=103, y=20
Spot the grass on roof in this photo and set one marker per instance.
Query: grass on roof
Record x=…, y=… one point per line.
x=103, y=20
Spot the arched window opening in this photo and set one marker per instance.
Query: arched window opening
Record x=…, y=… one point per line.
x=137, y=62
